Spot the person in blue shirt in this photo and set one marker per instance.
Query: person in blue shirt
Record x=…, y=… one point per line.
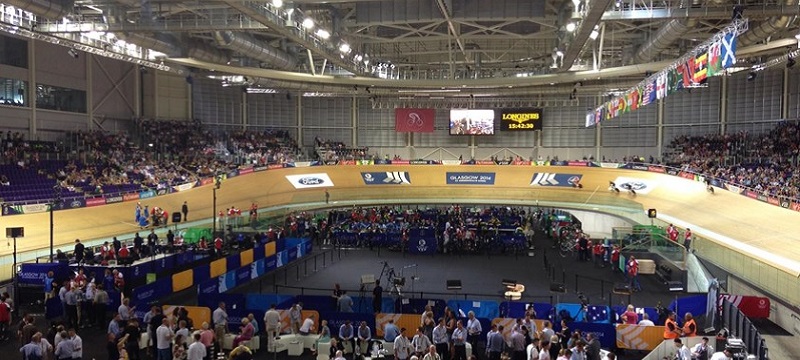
x=48, y=286
x=346, y=333
x=390, y=331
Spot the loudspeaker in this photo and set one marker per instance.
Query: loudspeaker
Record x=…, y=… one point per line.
x=558, y=288
x=176, y=217
x=453, y=284
x=15, y=232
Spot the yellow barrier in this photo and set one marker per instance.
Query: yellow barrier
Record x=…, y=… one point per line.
x=182, y=280
x=286, y=325
x=197, y=314
x=409, y=321
x=218, y=267
x=637, y=337
x=269, y=249
x=246, y=257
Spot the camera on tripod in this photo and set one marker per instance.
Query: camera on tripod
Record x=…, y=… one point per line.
x=583, y=299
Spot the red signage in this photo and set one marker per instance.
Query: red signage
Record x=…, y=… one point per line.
x=686, y=175
x=275, y=166
x=656, y=169
x=206, y=181
x=245, y=171
x=95, y=202
x=414, y=120
x=400, y=162
x=347, y=162
x=774, y=201
x=751, y=306
x=751, y=194
x=130, y=197
x=577, y=163
x=521, y=162
x=795, y=206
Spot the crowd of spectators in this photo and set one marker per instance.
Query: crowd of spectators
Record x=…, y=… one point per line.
x=328, y=150
x=765, y=163
x=264, y=147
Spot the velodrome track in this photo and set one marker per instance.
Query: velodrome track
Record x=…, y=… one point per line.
x=771, y=228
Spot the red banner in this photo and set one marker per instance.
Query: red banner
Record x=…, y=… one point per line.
x=206, y=181
x=245, y=171
x=400, y=162
x=347, y=162
x=275, y=166
x=130, y=197
x=577, y=163
x=774, y=201
x=795, y=206
x=521, y=162
x=656, y=169
x=751, y=306
x=95, y=202
x=414, y=120
x=751, y=194
x=686, y=175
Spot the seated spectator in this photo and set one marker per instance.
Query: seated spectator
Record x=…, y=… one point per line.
x=247, y=332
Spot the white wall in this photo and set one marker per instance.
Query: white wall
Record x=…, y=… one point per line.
x=599, y=225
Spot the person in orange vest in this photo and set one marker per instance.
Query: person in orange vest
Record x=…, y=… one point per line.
x=689, y=326
x=671, y=329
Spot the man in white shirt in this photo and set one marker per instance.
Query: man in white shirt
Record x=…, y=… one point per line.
x=420, y=343
x=722, y=355
x=77, y=345
x=308, y=325
x=402, y=347
x=164, y=337
x=646, y=320
x=197, y=351
x=440, y=340
x=473, y=331
x=547, y=331
x=459, y=341
x=65, y=348
x=683, y=352
x=220, y=319
x=272, y=323
x=702, y=350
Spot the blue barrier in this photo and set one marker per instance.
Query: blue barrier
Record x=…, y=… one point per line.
x=201, y=274
x=513, y=309
x=35, y=273
x=651, y=312
x=144, y=296
x=232, y=301
x=233, y=262
x=319, y=302
x=692, y=304
x=263, y=301
x=417, y=306
x=606, y=333
x=482, y=309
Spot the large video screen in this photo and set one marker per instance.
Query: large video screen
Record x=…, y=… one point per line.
x=471, y=122
x=525, y=119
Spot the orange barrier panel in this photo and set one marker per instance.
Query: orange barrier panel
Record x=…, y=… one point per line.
x=246, y=257
x=639, y=337
x=508, y=325
x=286, y=326
x=409, y=321
x=197, y=314
x=182, y=280
x=218, y=267
x=269, y=250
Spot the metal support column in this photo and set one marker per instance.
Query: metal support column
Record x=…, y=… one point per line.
x=660, y=129
x=154, y=89
x=299, y=107
x=89, y=58
x=598, y=134
x=137, y=92
x=31, y=95
x=354, y=121
x=189, y=98
x=245, y=119
x=785, y=94
x=723, y=105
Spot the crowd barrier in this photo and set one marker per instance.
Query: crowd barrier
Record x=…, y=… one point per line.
x=73, y=203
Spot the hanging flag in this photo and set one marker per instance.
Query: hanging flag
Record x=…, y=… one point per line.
x=701, y=69
x=611, y=110
x=622, y=105
x=649, y=89
x=676, y=79
x=661, y=85
x=634, y=99
x=688, y=73
x=715, y=59
x=728, y=53
x=598, y=115
x=653, y=93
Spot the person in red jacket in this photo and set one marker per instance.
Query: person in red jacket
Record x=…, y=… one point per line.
x=5, y=319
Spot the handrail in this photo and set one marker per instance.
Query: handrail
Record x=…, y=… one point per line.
x=417, y=294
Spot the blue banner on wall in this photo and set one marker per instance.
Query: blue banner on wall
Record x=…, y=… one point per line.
x=233, y=262
x=553, y=179
x=227, y=281
x=35, y=273
x=470, y=178
x=418, y=245
x=270, y=263
x=482, y=309
x=242, y=275
x=264, y=301
x=257, y=268
x=201, y=274
x=606, y=333
x=208, y=287
x=148, y=294
x=282, y=258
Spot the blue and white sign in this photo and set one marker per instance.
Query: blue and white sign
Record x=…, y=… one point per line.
x=310, y=180
x=386, y=178
x=470, y=178
x=422, y=246
x=640, y=186
x=553, y=179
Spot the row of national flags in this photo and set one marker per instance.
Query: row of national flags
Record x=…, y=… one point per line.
x=694, y=72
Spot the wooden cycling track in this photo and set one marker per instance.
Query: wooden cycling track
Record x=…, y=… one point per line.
x=771, y=228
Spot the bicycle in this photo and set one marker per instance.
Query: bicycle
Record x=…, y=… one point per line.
x=567, y=240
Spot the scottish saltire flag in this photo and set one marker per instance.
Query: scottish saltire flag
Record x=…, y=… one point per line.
x=661, y=85
x=728, y=52
x=715, y=59
x=700, y=69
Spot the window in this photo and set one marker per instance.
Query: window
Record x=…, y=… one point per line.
x=13, y=52
x=60, y=99
x=13, y=92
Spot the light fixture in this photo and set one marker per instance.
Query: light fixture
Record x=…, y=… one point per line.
x=323, y=34
x=72, y=53
x=359, y=57
x=571, y=26
x=308, y=23
x=344, y=47
x=277, y=3
x=594, y=34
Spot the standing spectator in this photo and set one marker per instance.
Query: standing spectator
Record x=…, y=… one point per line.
x=377, y=297
x=593, y=347
x=77, y=345
x=44, y=344
x=71, y=305
x=220, y=319
x=100, y=303
x=179, y=349
x=32, y=350
x=633, y=273
x=272, y=323
x=295, y=318
x=164, y=337
x=687, y=239
x=630, y=315
x=5, y=319
x=402, y=347
x=64, y=348
x=124, y=311
x=79, y=251
x=185, y=211
x=544, y=353
x=308, y=325
x=432, y=355
x=49, y=283
x=345, y=303
x=474, y=331
x=440, y=339
x=197, y=351
x=113, y=326
x=420, y=343
x=390, y=331
x=459, y=342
